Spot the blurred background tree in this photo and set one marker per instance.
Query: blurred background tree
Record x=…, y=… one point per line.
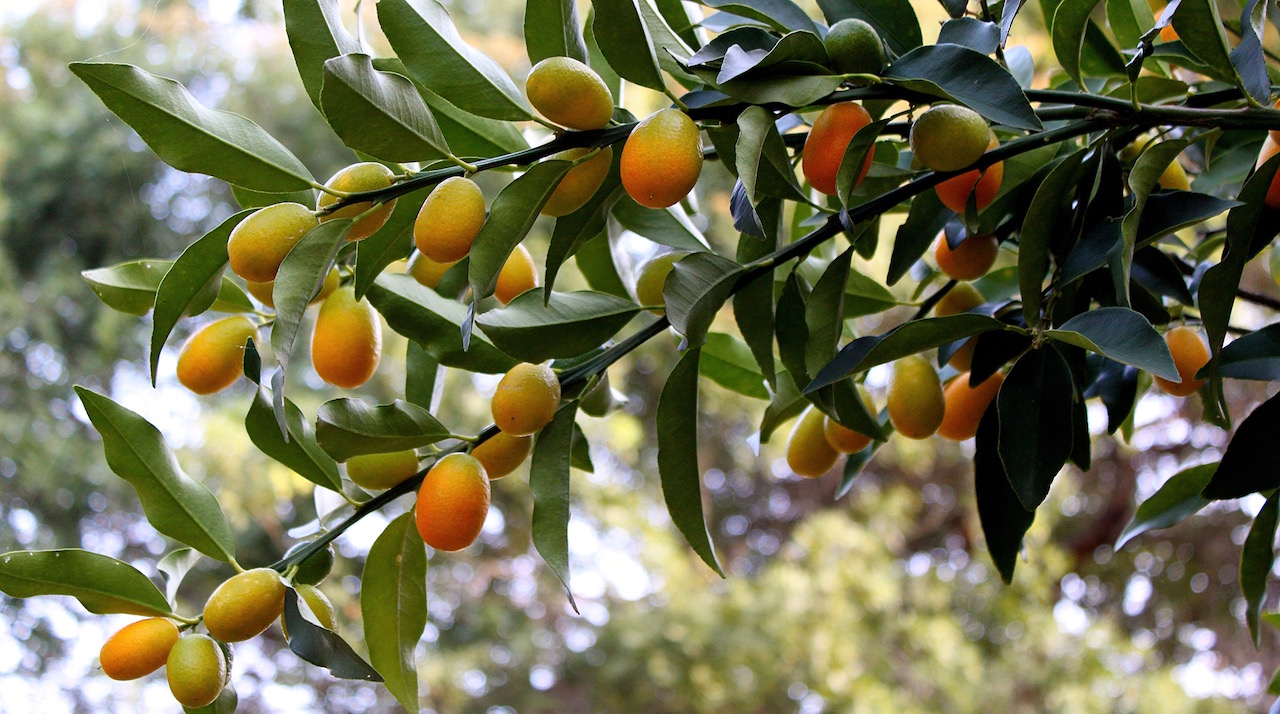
x=881, y=600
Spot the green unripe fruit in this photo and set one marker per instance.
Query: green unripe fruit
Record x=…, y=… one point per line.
x=854, y=47
x=382, y=471
x=197, y=670
x=315, y=568
x=599, y=399
x=949, y=137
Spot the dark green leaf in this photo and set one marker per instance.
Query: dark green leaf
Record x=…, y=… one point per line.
x=1253, y=356
x=1122, y=335
x=694, y=292
x=589, y=221
x=1248, y=57
x=580, y=451
x=175, y=505
x=924, y=221
x=551, y=29
x=1247, y=466
x=979, y=36
x=595, y=261
x=1128, y=20
x=299, y=450
x=668, y=226
x=1256, y=560
x=728, y=361
x=510, y=217
x=191, y=137
x=393, y=605
x=392, y=242
x=853, y=465
x=567, y=325
x=322, y=647
x=781, y=15
x=1178, y=498
x=792, y=330
x=1004, y=520
x=786, y=404
x=549, y=486
x=422, y=315
x=379, y=113
x=1070, y=25
x=423, y=377
x=316, y=34
x=894, y=20
x=1035, y=429
x=626, y=43
x=677, y=421
x=103, y=585
x=1200, y=30
x=351, y=427
x=824, y=313
x=131, y=287
x=1039, y=224
x=970, y=78
x=761, y=158
x=753, y=312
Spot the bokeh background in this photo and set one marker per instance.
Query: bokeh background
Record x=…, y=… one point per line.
x=883, y=600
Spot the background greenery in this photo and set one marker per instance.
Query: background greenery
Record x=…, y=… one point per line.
x=883, y=600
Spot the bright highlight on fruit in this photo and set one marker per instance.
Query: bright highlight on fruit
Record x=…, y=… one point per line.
x=260, y=242
x=652, y=276
x=569, y=93
x=518, y=274
x=808, y=453
x=382, y=471
x=244, y=605
x=1190, y=354
x=965, y=406
x=357, y=178
x=828, y=140
x=854, y=47
x=949, y=137
x=347, y=343
x=662, y=159
x=968, y=261
x=526, y=399
x=213, y=358
x=138, y=649
x=503, y=453
x=449, y=220
x=580, y=183
x=916, y=403
x=453, y=502
x=197, y=670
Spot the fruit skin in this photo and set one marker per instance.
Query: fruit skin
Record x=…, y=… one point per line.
x=650, y=279
x=1189, y=354
x=916, y=403
x=244, y=605
x=138, y=649
x=569, y=93
x=662, y=159
x=580, y=183
x=808, y=453
x=949, y=137
x=1275, y=133
x=213, y=358
x=959, y=299
x=970, y=260
x=828, y=140
x=1270, y=147
x=1168, y=34
x=197, y=670
x=526, y=399
x=966, y=405
x=518, y=274
x=426, y=271
x=260, y=242
x=347, y=343
x=315, y=568
x=844, y=439
x=854, y=47
x=381, y=471
x=983, y=184
x=320, y=606
x=503, y=453
x=265, y=292
x=364, y=176
x=449, y=220
x=453, y=502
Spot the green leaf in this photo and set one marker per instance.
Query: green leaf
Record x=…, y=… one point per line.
x=574, y=230
x=423, y=377
x=567, y=325
x=1249, y=57
x=727, y=361
x=175, y=505
x=379, y=113
x=190, y=285
x=316, y=34
x=1256, y=559
x=761, y=158
x=677, y=420
x=352, y=427
x=597, y=60
x=426, y=40
x=925, y=220
x=786, y=404
x=1200, y=30
x=174, y=567
x=128, y=287
x=894, y=20
x=188, y=135
x=695, y=291
x=861, y=146
x=1071, y=25
x=791, y=328
x=781, y=15
x=393, y=606
x=853, y=465
x=549, y=485
x=1038, y=226
x=626, y=43
x=1035, y=430
x=298, y=450
x=551, y=29
x=753, y=311
x=1178, y=498
x=906, y=339
x=511, y=216
x=391, y=242
x=1253, y=356
x=1247, y=465
x=970, y=78
x=103, y=585
x=580, y=451
x=1122, y=335
x=668, y=226
x=1004, y=519
x=595, y=261
x=1144, y=178
x=1129, y=19
x=433, y=321
x=322, y=647
x=824, y=313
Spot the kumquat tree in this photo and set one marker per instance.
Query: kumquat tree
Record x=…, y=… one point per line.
x=951, y=241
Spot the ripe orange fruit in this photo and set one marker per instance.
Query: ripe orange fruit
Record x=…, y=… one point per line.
x=965, y=406
x=138, y=649
x=1168, y=34
x=662, y=159
x=518, y=274
x=1189, y=354
x=916, y=403
x=651, y=278
x=320, y=606
x=197, y=670
x=844, y=439
x=854, y=47
x=949, y=137
x=265, y=292
x=380, y=471
x=580, y=183
x=526, y=399
x=213, y=358
x=960, y=298
x=427, y=271
x=982, y=184
x=244, y=605
x=449, y=220
x=503, y=453
x=808, y=453
x=364, y=176
x=1269, y=148
x=970, y=260
x=258, y=245
x=828, y=140
x=347, y=343
x=452, y=503
x=569, y=93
